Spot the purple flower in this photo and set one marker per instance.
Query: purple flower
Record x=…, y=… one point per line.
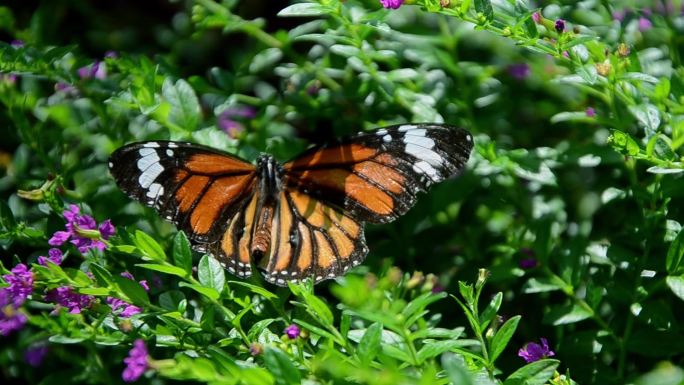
x=644, y=24
x=125, y=309
x=519, y=71
x=35, y=354
x=97, y=70
x=559, y=25
x=20, y=282
x=619, y=14
x=10, y=318
x=536, y=17
x=111, y=54
x=66, y=297
x=394, y=4
x=227, y=122
x=54, y=255
x=136, y=362
x=16, y=43
x=9, y=79
x=142, y=283
x=65, y=88
x=527, y=263
x=590, y=111
x=534, y=352
x=292, y=331
x=83, y=240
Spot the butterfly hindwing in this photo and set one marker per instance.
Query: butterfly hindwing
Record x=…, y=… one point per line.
x=374, y=177
x=199, y=189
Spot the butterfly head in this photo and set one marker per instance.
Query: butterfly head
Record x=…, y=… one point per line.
x=270, y=172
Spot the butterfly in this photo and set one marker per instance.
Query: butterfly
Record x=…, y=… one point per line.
x=300, y=219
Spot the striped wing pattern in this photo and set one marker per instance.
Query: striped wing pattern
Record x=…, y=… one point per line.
x=326, y=194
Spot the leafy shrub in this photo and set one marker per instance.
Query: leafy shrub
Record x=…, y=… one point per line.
x=570, y=204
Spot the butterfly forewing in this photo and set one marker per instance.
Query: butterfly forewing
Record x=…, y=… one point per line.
x=201, y=190
x=374, y=177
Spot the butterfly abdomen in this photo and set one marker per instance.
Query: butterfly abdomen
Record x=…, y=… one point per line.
x=262, y=234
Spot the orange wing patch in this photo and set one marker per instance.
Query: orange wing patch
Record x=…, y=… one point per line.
x=205, y=163
x=352, y=185
x=188, y=193
x=221, y=192
x=311, y=238
x=343, y=154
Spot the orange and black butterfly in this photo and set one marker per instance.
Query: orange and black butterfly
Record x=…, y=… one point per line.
x=300, y=219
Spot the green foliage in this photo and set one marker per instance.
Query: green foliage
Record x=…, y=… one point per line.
x=570, y=207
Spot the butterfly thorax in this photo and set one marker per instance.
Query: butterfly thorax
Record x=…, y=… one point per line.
x=270, y=185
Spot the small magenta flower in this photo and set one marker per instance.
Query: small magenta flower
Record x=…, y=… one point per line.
x=54, y=255
x=35, y=354
x=65, y=296
x=16, y=43
x=393, y=4
x=532, y=352
x=292, y=331
x=97, y=70
x=136, y=362
x=644, y=24
x=619, y=14
x=519, y=71
x=83, y=231
x=590, y=111
x=123, y=308
x=20, y=282
x=142, y=283
x=228, y=123
x=11, y=319
x=536, y=17
x=559, y=25
x=66, y=89
x=111, y=54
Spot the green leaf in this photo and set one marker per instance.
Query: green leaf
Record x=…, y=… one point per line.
x=485, y=7
x=182, y=254
x=7, y=221
x=676, y=284
x=369, y=346
x=675, y=253
x=502, y=337
x=133, y=290
x=211, y=274
x=432, y=349
x=102, y=276
x=535, y=373
x=166, y=269
x=148, y=246
x=420, y=303
x=185, y=108
x=205, y=291
x=281, y=366
x=98, y=291
x=344, y=50
x=562, y=315
x=489, y=312
x=255, y=289
x=456, y=370
x=171, y=300
x=303, y=9
x=265, y=59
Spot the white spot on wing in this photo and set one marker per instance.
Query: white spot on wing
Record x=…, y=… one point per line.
x=169, y=152
x=147, y=151
x=146, y=161
x=111, y=164
x=422, y=141
x=381, y=132
x=172, y=145
x=151, y=144
x=425, y=168
x=155, y=190
x=387, y=138
x=407, y=127
x=431, y=157
x=149, y=175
